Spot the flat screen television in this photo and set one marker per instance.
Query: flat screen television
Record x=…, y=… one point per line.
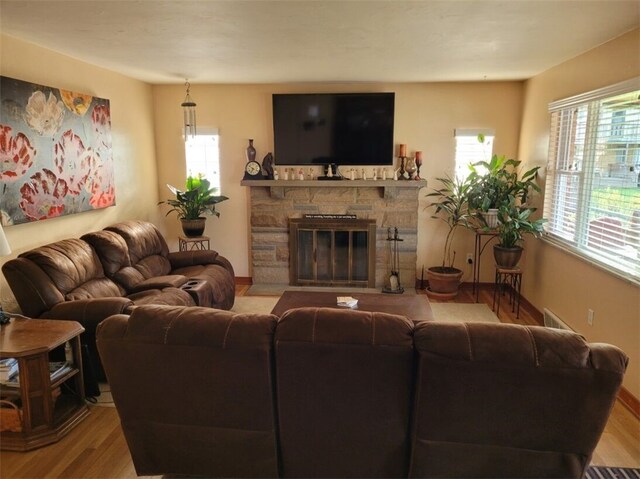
x=333, y=128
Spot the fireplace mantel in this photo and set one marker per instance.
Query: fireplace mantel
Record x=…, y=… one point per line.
x=390, y=187
x=391, y=203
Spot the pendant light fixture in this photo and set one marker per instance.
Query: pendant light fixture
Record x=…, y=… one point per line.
x=189, y=111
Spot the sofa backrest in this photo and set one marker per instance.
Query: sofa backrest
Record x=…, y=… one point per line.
x=498, y=400
x=193, y=388
x=113, y=252
x=148, y=251
x=61, y=271
x=344, y=388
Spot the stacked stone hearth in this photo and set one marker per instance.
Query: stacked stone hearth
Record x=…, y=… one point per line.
x=394, y=205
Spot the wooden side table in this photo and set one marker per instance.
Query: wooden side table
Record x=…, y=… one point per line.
x=512, y=278
x=193, y=244
x=45, y=419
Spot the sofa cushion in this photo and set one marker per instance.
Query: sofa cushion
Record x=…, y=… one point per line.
x=111, y=249
x=194, y=391
x=165, y=296
x=74, y=269
x=344, y=383
x=147, y=248
x=499, y=400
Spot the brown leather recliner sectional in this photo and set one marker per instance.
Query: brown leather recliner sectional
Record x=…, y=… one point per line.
x=333, y=393
x=113, y=271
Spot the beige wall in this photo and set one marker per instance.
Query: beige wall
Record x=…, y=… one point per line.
x=426, y=115
x=557, y=280
x=132, y=132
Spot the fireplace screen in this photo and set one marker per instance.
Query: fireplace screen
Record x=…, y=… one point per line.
x=332, y=252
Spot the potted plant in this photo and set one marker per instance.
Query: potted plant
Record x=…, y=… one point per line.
x=514, y=221
x=451, y=203
x=492, y=188
x=191, y=204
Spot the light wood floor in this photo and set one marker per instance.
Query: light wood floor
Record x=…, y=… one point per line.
x=96, y=447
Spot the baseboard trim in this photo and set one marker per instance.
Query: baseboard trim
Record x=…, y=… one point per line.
x=629, y=401
x=244, y=280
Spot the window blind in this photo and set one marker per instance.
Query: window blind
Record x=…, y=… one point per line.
x=592, y=193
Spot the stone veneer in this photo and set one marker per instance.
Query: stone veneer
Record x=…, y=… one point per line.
x=391, y=203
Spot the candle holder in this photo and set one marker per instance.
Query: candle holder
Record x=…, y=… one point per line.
x=418, y=162
x=401, y=171
x=411, y=168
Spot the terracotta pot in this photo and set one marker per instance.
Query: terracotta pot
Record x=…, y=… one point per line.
x=193, y=228
x=443, y=282
x=507, y=257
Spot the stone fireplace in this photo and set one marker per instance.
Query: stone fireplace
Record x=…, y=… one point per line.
x=392, y=204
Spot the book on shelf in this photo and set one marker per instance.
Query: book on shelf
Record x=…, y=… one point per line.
x=56, y=370
x=7, y=373
x=7, y=363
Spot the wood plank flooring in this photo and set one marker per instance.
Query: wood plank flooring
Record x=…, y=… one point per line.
x=96, y=448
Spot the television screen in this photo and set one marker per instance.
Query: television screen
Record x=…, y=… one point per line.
x=340, y=128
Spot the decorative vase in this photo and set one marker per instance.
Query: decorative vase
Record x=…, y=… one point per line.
x=507, y=257
x=193, y=228
x=251, y=152
x=411, y=168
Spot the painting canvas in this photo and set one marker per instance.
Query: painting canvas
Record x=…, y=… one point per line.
x=55, y=152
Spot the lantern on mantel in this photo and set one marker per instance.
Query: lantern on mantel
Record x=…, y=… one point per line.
x=189, y=110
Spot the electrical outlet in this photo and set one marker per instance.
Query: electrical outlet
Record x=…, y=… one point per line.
x=590, y=315
x=469, y=258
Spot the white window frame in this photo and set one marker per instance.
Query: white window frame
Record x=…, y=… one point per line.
x=572, y=177
x=203, y=158
x=469, y=150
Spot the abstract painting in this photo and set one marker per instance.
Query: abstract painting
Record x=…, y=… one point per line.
x=55, y=152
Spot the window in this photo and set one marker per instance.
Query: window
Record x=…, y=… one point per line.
x=203, y=157
x=592, y=193
x=470, y=150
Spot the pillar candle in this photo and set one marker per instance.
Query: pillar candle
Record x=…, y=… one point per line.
x=418, y=155
x=403, y=150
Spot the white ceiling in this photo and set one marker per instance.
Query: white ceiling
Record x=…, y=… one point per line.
x=215, y=41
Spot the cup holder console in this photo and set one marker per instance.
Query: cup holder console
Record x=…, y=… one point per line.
x=199, y=291
x=191, y=284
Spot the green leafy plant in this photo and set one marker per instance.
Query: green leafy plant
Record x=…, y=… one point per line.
x=496, y=183
x=514, y=222
x=451, y=206
x=196, y=200
x=491, y=188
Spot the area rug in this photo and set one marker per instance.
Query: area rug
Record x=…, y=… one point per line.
x=254, y=304
x=463, y=312
x=605, y=472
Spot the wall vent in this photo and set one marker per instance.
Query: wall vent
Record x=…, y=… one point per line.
x=553, y=321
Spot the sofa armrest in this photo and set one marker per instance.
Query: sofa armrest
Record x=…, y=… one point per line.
x=89, y=312
x=183, y=259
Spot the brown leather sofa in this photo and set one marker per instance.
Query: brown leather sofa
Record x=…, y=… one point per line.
x=112, y=271
x=335, y=393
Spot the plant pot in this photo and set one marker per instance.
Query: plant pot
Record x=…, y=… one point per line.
x=443, y=282
x=193, y=228
x=490, y=217
x=507, y=257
